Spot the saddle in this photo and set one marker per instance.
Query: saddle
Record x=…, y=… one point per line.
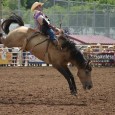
x=36, y=33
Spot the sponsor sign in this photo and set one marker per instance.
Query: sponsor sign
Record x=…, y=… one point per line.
x=5, y=57
x=33, y=59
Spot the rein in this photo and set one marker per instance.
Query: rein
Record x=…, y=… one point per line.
x=27, y=40
x=88, y=65
x=31, y=37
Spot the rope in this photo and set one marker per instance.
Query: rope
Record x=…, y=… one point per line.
x=38, y=44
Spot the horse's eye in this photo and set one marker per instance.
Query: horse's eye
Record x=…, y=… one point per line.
x=90, y=68
x=87, y=71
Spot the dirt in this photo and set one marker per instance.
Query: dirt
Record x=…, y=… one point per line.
x=44, y=91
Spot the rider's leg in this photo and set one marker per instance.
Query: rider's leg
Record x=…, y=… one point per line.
x=50, y=32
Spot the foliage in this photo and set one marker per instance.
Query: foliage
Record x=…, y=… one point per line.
x=60, y=8
x=11, y=5
x=29, y=3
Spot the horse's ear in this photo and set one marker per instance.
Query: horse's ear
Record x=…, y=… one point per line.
x=61, y=31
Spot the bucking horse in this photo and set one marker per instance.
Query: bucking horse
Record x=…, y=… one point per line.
x=41, y=47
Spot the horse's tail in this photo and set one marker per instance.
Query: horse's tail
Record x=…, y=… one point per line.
x=2, y=38
x=12, y=19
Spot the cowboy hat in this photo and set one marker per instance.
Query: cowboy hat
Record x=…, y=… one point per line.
x=35, y=5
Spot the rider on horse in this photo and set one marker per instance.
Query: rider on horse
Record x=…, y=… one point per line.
x=42, y=23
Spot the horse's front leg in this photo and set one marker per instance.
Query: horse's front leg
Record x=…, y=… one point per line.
x=74, y=92
x=69, y=77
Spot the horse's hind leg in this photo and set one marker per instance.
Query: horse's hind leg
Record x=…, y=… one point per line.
x=69, y=77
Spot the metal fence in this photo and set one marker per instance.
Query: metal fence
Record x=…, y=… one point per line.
x=77, y=17
x=12, y=57
x=98, y=20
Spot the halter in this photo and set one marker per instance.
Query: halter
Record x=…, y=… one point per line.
x=88, y=66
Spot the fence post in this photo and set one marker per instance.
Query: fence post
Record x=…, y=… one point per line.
x=0, y=15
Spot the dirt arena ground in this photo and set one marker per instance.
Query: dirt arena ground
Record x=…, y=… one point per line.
x=44, y=91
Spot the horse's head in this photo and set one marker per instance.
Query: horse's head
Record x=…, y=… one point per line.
x=78, y=59
x=84, y=75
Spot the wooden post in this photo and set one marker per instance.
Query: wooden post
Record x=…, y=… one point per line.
x=0, y=15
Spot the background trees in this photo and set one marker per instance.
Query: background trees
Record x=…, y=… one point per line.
x=13, y=4
x=83, y=16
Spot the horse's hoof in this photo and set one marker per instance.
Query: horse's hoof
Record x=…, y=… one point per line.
x=74, y=93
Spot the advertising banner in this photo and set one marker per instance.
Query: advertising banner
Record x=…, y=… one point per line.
x=33, y=59
x=5, y=57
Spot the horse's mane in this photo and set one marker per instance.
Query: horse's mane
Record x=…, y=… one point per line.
x=75, y=52
x=12, y=19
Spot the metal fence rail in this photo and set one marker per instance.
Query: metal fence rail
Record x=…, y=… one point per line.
x=9, y=57
x=18, y=58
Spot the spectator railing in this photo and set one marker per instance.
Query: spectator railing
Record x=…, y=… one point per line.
x=18, y=58
x=9, y=57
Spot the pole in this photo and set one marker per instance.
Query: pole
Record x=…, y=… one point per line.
x=94, y=14
x=54, y=3
x=68, y=13
x=19, y=7
x=0, y=15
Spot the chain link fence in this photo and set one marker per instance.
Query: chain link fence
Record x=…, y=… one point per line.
x=77, y=17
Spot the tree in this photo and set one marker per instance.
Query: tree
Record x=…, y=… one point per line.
x=29, y=3
x=10, y=4
x=23, y=3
